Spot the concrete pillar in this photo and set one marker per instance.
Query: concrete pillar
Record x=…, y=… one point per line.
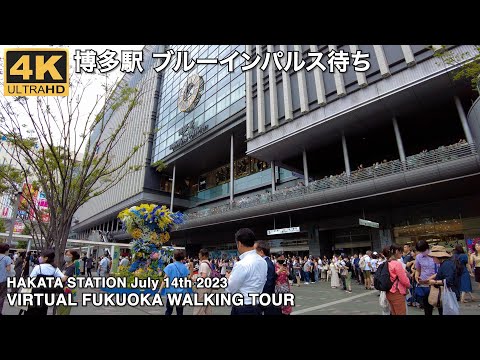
x=339, y=82
x=305, y=167
x=302, y=83
x=287, y=88
x=232, y=178
x=463, y=119
x=272, y=85
x=398, y=137
x=382, y=60
x=272, y=167
x=345, y=155
x=173, y=188
x=361, y=77
x=260, y=96
x=408, y=54
x=249, y=94
x=319, y=84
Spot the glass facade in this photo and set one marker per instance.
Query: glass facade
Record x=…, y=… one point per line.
x=219, y=93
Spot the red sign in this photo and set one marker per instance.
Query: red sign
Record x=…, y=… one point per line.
x=18, y=227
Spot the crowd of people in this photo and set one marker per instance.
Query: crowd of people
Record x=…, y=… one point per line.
x=425, y=157
x=416, y=274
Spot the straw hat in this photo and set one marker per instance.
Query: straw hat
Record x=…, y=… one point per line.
x=439, y=251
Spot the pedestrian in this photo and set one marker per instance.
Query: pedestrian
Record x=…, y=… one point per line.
x=89, y=266
x=374, y=265
x=5, y=268
x=263, y=249
x=70, y=270
x=400, y=282
x=475, y=262
x=447, y=271
x=124, y=262
x=335, y=279
x=103, y=266
x=282, y=286
x=84, y=263
x=46, y=269
x=175, y=270
x=367, y=270
x=425, y=268
x=204, y=271
x=348, y=278
x=465, y=272
x=248, y=275
x=296, y=269
x=360, y=266
x=306, y=270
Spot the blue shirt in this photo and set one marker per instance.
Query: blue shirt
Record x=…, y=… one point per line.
x=174, y=271
x=4, y=262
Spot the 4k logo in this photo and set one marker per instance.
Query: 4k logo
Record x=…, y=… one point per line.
x=36, y=72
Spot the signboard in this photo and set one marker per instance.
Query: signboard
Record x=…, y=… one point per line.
x=283, y=231
x=188, y=133
x=369, y=223
x=18, y=227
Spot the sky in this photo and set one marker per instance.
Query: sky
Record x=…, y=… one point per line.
x=96, y=87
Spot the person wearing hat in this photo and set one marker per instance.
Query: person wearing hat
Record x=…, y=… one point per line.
x=446, y=271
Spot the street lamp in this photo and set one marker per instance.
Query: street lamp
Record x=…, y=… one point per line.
x=14, y=217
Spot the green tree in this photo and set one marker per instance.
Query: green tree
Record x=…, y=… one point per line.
x=27, y=230
x=65, y=149
x=468, y=64
x=2, y=226
x=22, y=244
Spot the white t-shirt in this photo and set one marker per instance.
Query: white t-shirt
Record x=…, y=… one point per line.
x=367, y=260
x=373, y=262
x=46, y=269
x=104, y=263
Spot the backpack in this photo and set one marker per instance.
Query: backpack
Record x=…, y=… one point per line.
x=362, y=263
x=382, y=280
x=213, y=272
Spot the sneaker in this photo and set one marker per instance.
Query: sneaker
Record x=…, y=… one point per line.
x=306, y=283
x=349, y=291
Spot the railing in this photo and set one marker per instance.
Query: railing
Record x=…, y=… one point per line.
x=423, y=159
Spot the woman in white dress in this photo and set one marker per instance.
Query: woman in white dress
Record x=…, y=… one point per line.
x=335, y=278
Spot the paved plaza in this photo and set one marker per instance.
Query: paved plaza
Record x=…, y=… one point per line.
x=312, y=299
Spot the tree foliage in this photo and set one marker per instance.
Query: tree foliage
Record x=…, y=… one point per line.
x=66, y=150
x=2, y=226
x=469, y=68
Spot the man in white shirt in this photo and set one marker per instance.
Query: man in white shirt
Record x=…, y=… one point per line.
x=103, y=266
x=248, y=275
x=124, y=261
x=367, y=271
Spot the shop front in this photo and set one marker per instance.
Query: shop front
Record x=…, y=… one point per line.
x=447, y=232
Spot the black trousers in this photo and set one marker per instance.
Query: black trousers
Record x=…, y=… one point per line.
x=271, y=310
x=89, y=272
x=246, y=310
x=170, y=307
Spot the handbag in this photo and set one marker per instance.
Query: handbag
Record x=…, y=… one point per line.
x=449, y=301
x=435, y=296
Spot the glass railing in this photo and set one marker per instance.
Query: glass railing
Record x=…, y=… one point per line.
x=425, y=158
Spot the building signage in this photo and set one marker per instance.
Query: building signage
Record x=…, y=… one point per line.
x=188, y=133
x=283, y=231
x=368, y=223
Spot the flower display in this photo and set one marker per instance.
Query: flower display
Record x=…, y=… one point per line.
x=149, y=225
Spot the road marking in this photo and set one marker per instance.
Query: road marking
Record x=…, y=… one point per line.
x=313, y=308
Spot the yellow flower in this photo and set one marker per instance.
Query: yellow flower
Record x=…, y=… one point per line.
x=136, y=233
x=153, y=236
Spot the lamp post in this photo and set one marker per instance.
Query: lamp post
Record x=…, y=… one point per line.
x=14, y=217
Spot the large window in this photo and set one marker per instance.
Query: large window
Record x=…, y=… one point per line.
x=242, y=167
x=221, y=90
